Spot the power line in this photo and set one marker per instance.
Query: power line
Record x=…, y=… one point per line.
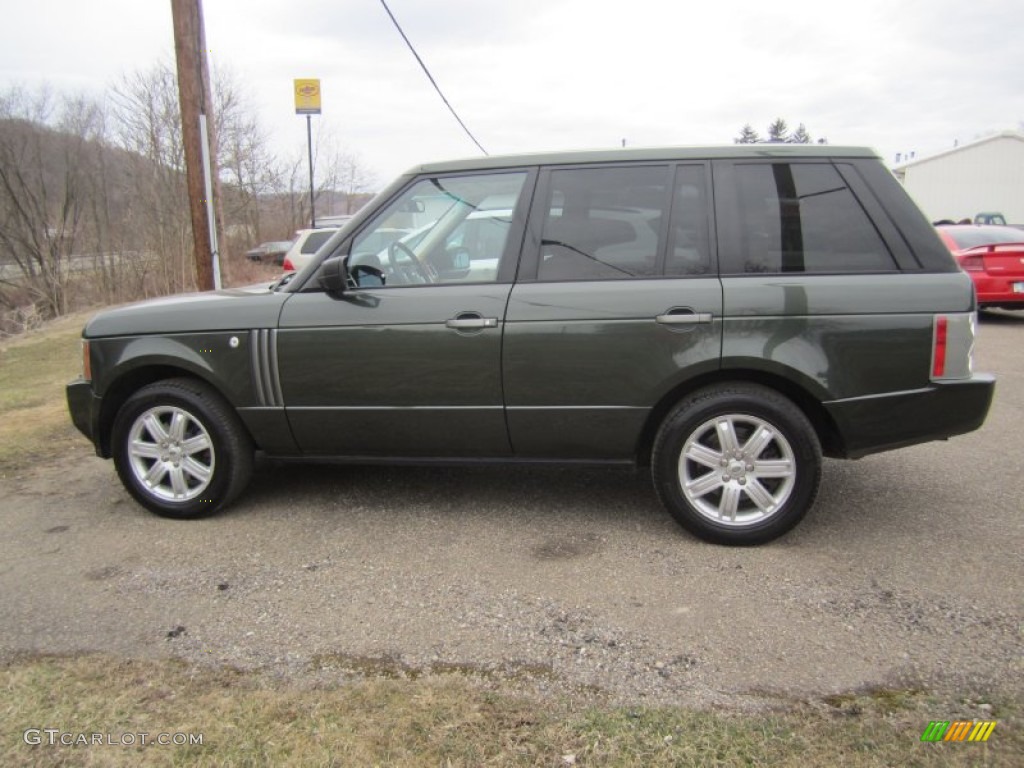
x=431, y=77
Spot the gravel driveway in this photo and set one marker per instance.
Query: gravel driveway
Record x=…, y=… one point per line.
x=906, y=573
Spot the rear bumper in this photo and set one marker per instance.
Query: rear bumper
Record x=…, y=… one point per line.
x=84, y=407
x=998, y=291
x=880, y=423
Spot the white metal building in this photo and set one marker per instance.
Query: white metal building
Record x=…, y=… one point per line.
x=985, y=175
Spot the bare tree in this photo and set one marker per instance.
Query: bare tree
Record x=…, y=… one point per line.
x=95, y=191
x=353, y=179
x=42, y=195
x=342, y=179
x=147, y=123
x=249, y=171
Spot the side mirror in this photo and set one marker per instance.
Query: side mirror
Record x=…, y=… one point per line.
x=333, y=275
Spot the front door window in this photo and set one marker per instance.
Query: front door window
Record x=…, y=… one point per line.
x=442, y=229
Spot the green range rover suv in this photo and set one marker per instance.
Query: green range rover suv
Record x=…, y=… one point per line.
x=724, y=316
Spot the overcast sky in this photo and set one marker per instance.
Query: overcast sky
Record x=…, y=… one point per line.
x=911, y=75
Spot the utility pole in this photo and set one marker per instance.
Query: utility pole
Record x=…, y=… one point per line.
x=312, y=189
x=198, y=138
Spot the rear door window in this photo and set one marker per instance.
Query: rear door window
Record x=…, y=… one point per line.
x=603, y=223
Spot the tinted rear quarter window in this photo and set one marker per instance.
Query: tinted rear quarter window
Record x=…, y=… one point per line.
x=800, y=218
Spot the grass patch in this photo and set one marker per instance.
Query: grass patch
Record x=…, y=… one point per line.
x=445, y=720
x=34, y=367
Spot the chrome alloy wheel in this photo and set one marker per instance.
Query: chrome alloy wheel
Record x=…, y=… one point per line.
x=171, y=453
x=737, y=470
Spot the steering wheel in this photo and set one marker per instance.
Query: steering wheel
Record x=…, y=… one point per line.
x=424, y=272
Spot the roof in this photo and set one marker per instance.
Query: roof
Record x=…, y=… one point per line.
x=1013, y=135
x=648, y=154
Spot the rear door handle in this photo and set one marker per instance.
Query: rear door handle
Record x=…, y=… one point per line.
x=684, y=316
x=471, y=321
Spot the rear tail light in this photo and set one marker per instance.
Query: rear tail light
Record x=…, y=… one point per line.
x=940, y=336
x=973, y=263
x=288, y=266
x=953, y=346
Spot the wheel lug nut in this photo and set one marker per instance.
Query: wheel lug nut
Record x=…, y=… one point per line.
x=743, y=481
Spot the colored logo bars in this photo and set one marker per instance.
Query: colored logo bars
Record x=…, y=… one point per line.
x=958, y=730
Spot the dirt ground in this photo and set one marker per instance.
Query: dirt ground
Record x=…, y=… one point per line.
x=906, y=574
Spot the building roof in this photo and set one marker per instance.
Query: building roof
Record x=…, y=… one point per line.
x=1014, y=135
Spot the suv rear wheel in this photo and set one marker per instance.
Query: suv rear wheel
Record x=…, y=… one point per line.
x=180, y=449
x=737, y=464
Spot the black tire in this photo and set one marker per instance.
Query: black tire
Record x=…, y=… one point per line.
x=190, y=457
x=738, y=490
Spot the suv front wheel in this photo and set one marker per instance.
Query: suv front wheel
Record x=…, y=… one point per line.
x=737, y=464
x=180, y=450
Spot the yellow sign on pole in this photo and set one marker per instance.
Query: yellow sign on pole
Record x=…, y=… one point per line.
x=307, y=97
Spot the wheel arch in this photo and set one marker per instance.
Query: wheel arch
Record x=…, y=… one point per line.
x=824, y=425
x=130, y=381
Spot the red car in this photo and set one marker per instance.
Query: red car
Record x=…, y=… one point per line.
x=993, y=257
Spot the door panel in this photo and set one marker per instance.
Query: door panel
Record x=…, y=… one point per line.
x=410, y=366
x=594, y=336
x=585, y=362
x=380, y=373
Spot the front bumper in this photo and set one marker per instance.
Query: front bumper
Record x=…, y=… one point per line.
x=883, y=422
x=84, y=407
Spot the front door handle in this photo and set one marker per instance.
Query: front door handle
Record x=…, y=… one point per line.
x=471, y=321
x=684, y=316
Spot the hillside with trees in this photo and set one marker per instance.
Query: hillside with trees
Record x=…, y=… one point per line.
x=93, y=202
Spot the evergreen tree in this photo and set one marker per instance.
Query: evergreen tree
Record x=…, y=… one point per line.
x=747, y=136
x=800, y=136
x=778, y=132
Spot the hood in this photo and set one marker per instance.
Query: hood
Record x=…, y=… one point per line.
x=235, y=309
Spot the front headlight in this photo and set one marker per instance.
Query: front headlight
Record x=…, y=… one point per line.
x=86, y=361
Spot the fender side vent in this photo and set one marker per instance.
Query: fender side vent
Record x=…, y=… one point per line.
x=265, y=378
